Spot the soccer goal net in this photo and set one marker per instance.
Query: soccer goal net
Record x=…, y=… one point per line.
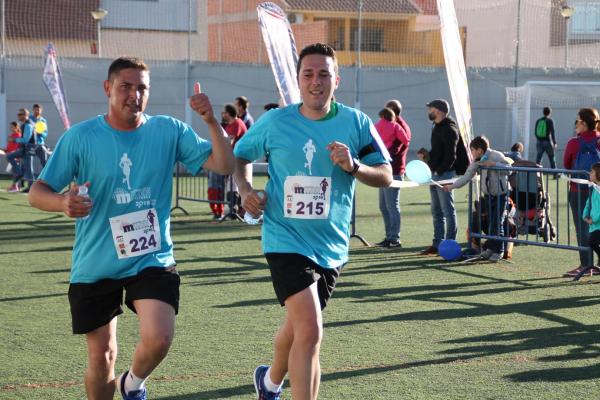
x=525, y=104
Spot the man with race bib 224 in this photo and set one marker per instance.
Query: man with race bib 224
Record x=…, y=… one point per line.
x=122, y=238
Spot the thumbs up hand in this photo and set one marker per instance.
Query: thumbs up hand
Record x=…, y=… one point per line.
x=200, y=103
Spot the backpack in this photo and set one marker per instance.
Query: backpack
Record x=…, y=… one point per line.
x=462, y=158
x=587, y=155
x=541, y=129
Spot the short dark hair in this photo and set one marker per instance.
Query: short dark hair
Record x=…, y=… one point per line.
x=387, y=113
x=243, y=102
x=15, y=124
x=126, y=62
x=317, y=48
x=395, y=105
x=480, y=143
x=36, y=105
x=596, y=168
x=270, y=106
x=547, y=111
x=231, y=110
x=517, y=147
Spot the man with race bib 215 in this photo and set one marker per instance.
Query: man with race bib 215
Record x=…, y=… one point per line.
x=317, y=149
x=126, y=158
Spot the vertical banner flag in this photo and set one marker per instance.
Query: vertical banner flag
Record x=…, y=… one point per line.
x=53, y=80
x=281, y=47
x=455, y=69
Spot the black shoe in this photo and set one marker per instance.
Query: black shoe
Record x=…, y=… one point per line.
x=25, y=190
x=383, y=243
x=391, y=244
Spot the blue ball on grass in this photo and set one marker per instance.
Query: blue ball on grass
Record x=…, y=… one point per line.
x=449, y=250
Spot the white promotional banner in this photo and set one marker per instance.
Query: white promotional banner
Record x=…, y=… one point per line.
x=455, y=69
x=53, y=80
x=3, y=121
x=281, y=47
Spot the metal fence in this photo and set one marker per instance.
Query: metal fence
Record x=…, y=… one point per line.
x=195, y=188
x=539, y=208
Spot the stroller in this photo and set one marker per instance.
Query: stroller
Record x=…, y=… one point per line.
x=532, y=203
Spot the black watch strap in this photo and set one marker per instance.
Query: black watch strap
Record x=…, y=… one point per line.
x=355, y=168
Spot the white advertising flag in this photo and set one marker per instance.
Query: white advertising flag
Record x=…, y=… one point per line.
x=53, y=80
x=455, y=69
x=281, y=47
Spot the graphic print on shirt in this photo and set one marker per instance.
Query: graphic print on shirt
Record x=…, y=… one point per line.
x=134, y=233
x=125, y=164
x=309, y=150
x=124, y=193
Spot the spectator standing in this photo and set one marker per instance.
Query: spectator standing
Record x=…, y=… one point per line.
x=26, y=150
x=125, y=244
x=396, y=140
x=396, y=107
x=495, y=189
x=584, y=144
x=41, y=133
x=591, y=215
x=12, y=146
x=242, y=104
x=235, y=129
x=442, y=157
x=216, y=192
x=546, y=139
x=307, y=216
x=233, y=125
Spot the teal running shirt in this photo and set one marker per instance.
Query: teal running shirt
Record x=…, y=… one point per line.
x=309, y=199
x=130, y=175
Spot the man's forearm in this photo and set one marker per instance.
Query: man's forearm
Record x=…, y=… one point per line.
x=376, y=176
x=41, y=196
x=243, y=175
x=223, y=155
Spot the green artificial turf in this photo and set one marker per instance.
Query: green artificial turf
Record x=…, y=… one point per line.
x=400, y=325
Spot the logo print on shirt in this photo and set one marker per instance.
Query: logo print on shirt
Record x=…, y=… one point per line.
x=324, y=185
x=309, y=150
x=125, y=164
x=150, y=217
x=140, y=197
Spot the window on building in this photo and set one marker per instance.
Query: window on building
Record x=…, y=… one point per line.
x=372, y=39
x=585, y=22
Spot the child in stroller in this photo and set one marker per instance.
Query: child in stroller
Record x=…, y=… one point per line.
x=532, y=203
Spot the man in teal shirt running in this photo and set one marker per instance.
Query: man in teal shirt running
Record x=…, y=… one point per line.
x=317, y=150
x=122, y=239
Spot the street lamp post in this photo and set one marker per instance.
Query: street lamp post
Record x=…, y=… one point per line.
x=567, y=12
x=98, y=15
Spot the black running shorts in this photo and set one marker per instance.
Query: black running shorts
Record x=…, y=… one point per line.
x=292, y=273
x=95, y=304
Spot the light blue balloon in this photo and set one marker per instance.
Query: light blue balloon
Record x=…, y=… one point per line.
x=418, y=171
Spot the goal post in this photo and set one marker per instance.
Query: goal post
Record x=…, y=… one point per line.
x=525, y=104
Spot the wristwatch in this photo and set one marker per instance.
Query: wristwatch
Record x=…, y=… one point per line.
x=355, y=167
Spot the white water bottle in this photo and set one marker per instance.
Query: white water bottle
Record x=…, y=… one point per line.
x=83, y=192
x=249, y=219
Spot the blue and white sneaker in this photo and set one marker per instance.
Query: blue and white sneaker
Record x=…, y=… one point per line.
x=133, y=394
x=261, y=392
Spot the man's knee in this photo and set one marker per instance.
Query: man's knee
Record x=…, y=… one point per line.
x=308, y=335
x=158, y=343
x=102, y=359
